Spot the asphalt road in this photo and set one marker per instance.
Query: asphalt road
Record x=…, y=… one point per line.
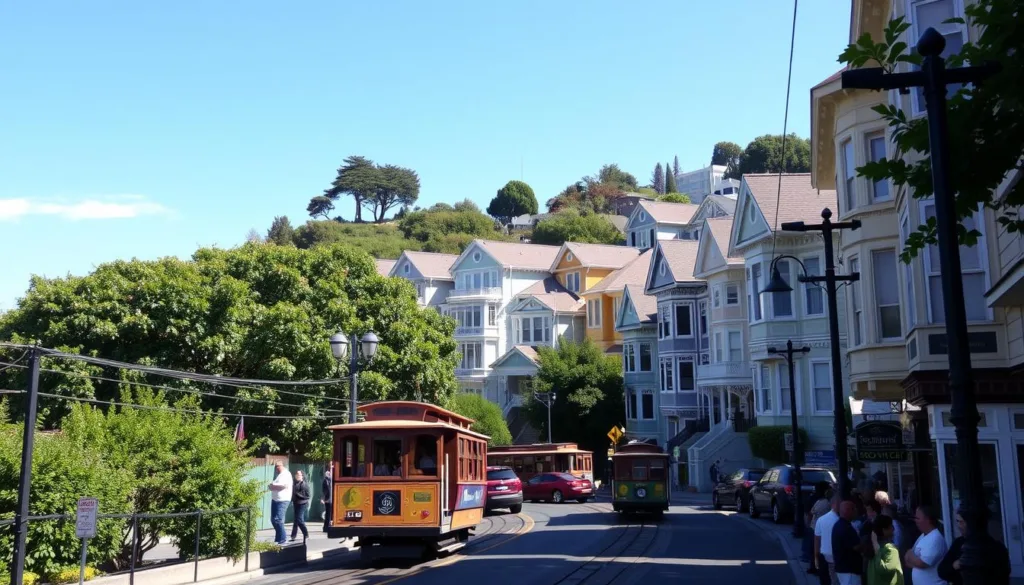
x=579, y=544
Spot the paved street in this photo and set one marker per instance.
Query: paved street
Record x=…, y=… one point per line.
x=571, y=544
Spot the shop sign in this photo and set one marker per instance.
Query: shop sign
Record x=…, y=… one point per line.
x=880, y=441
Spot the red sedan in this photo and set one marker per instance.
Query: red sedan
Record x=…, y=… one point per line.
x=557, y=488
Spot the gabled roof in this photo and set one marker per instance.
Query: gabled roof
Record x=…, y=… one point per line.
x=516, y=255
x=524, y=350
x=384, y=266
x=633, y=273
x=681, y=257
x=646, y=306
x=619, y=221
x=554, y=296
x=597, y=255
x=728, y=204
x=670, y=213
x=430, y=264
x=719, y=229
x=797, y=201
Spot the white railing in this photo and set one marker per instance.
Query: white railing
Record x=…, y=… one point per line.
x=725, y=370
x=469, y=371
x=469, y=331
x=466, y=293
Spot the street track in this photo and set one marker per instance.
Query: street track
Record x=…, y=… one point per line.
x=636, y=539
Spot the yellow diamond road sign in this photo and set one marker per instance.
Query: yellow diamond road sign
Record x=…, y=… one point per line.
x=615, y=434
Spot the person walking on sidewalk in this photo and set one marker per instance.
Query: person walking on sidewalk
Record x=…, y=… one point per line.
x=280, y=497
x=846, y=546
x=824, y=562
x=326, y=488
x=300, y=499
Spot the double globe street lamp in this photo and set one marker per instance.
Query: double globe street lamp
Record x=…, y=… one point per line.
x=339, y=347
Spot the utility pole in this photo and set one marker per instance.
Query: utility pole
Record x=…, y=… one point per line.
x=548, y=400
x=25, y=483
x=979, y=559
x=788, y=353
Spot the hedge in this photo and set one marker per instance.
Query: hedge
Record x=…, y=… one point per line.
x=769, y=443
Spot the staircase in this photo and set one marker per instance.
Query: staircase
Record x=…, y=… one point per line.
x=724, y=442
x=523, y=433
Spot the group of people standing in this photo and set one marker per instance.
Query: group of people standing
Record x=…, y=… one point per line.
x=285, y=490
x=857, y=541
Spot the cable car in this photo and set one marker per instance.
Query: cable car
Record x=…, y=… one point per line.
x=530, y=460
x=409, y=480
x=640, y=479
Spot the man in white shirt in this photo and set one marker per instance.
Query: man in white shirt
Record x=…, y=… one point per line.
x=280, y=497
x=928, y=551
x=823, y=560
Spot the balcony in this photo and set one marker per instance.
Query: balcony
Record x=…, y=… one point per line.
x=725, y=372
x=465, y=294
x=466, y=331
x=471, y=372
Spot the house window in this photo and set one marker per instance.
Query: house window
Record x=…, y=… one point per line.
x=702, y=321
x=616, y=306
x=754, y=294
x=814, y=303
x=784, y=401
x=732, y=294
x=492, y=315
x=766, y=389
x=876, y=152
x=664, y=322
x=849, y=175
x=705, y=359
x=735, y=346
x=647, y=405
x=936, y=14
x=631, y=405
x=908, y=276
x=782, y=302
x=662, y=266
x=594, y=313
x=887, y=294
x=533, y=330
x=472, y=356
x=685, y=375
x=684, y=321
x=972, y=273
x=717, y=296
x=822, y=374
x=572, y=281
x=629, y=358
x=858, y=309
x=719, y=349
x=645, y=357
x=667, y=375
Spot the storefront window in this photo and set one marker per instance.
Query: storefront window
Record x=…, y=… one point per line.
x=990, y=483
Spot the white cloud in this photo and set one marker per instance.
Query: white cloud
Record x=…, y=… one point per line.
x=120, y=207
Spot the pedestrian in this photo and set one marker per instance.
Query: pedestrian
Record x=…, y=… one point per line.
x=824, y=562
x=884, y=568
x=300, y=499
x=714, y=474
x=949, y=568
x=280, y=497
x=327, y=495
x=849, y=563
x=928, y=551
x=897, y=526
x=820, y=503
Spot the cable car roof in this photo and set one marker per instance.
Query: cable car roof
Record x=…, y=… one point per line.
x=403, y=425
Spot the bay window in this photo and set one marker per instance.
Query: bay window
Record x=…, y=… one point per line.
x=782, y=302
x=631, y=404
x=732, y=294
x=814, y=303
x=686, y=377
x=664, y=322
x=629, y=358
x=647, y=405
x=667, y=375
x=719, y=349
x=908, y=276
x=784, y=402
x=937, y=14
x=684, y=320
x=858, y=310
x=533, y=330
x=735, y=346
x=645, y=357
x=702, y=320
x=887, y=294
x=572, y=281
x=765, y=389
x=821, y=379
x=717, y=296
x=849, y=175
x=754, y=292
x=876, y=152
x=472, y=356
x=972, y=272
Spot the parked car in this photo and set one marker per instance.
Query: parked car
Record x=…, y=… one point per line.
x=557, y=488
x=734, y=489
x=504, y=490
x=775, y=492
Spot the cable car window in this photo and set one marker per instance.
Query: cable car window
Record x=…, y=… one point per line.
x=622, y=470
x=387, y=457
x=352, y=454
x=640, y=470
x=657, y=470
x=425, y=462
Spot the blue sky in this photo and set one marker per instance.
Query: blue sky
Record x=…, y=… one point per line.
x=143, y=129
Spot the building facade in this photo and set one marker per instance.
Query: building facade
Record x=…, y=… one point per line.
x=430, y=273
x=700, y=183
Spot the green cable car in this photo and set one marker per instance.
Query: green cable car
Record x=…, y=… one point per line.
x=640, y=479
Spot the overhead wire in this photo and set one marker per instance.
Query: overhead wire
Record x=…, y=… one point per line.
x=182, y=410
x=17, y=361
x=785, y=128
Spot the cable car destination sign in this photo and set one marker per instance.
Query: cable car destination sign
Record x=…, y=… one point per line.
x=880, y=441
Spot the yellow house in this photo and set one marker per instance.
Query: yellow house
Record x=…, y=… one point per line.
x=603, y=293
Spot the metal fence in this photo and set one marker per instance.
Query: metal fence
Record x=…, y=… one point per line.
x=136, y=535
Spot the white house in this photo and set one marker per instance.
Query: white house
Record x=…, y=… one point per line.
x=430, y=273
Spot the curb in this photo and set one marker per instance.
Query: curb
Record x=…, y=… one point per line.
x=785, y=540
x=313, y=558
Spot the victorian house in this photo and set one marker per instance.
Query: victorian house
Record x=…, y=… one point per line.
x=430, y=273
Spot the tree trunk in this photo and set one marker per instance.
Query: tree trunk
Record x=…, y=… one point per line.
x=359, y=208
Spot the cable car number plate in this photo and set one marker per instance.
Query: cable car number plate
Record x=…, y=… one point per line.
x=353, y=515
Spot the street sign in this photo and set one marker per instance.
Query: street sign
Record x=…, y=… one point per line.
x=789, y=442
x=85, y=520
x=880, y=441
x=615, y=434
x=820, y=459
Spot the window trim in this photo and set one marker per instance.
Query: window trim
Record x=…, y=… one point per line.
x=808, y=287
x=958, y=12
x=675, y=313
x=760, y=390
x=983, y=259
x=737, y=287
x=679, y=371
x=814, y=400
x=787, y=275
x=783, y=374
x=594, y=317
x=910, y=300
x=666, y=365
x=629, y=355
x=639, y=357
x=849, y=181
x=879, y=336
x=654, y=405
x=856, y=314
x=869, y=157
x=665, y=324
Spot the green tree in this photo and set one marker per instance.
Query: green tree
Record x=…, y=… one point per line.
x=675, y=198
x=588, y=387
x=486, y=415
x=675, y=165
x=611, y=174
x=281, y=232
x=572, y=226
x=658, y=179
x=422, y=226
x=985, y=122
x=514, y=199
x=258, y=311
x=764, y=155
x=396, y=186
x=358, y=177
x=726, y=153
x=378, y=240
x=466, y=205
x=670, y=180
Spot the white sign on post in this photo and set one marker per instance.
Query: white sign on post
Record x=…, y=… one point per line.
x=85, y=522
x=789, y=441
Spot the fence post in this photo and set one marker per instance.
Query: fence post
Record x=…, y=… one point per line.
x=135, y=548
x=199, y=529
x=248, y=535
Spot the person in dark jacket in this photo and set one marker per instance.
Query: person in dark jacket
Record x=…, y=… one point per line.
x=845, y=546
x=949, y=568
x=300, y=500
x=327, y=498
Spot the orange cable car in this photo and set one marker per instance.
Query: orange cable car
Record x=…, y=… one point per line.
x=409, y=480
x=530, y=460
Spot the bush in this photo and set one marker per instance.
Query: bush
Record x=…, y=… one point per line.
x=70, y=575
x=572, y=226
x=27, y=578
x=486, y=415
x=769, y=443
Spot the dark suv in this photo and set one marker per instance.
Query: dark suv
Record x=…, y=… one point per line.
x=775, y=492
x=504, y=490
x=735, y=489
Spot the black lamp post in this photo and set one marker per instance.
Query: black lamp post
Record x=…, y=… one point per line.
x=777, y=284
x=339, y=347
x=548, y=400
x=788, y=353
x=978, y=562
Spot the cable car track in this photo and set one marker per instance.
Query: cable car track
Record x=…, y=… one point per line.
x=602, y=568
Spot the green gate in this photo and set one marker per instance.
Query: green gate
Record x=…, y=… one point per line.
x=262, y=470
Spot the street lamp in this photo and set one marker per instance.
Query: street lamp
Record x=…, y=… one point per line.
x=798, y=517
x=548, y=400
x=979, y=560
x=339, y=347
x=777, y=284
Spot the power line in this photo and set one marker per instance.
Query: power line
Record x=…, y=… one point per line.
x=13, y=364
x=785, y=127
x=183, y=410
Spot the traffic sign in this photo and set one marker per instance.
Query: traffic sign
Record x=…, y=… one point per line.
x=85, y=519
x=789, y=441
x=615, y=434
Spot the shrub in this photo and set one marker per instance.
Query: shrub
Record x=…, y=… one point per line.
x=70, y=575
x=486, y=415
x=27, y=578
x=769, y=443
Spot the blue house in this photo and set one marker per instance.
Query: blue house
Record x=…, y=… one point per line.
x=637, y=322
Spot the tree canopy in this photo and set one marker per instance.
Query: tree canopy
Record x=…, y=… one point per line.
x=675, y=198
x=514, y=199
x=670, y=180
x=379, y=188
x=985, y=122
x=611, y=174
x=486, y=415
x=281, y=232
x=378, y=240
x=658, y=178
x=446, y=229
x=572, y=226
x=726, y=153
x=595, y=193
x=764, y=155
x=259, y=311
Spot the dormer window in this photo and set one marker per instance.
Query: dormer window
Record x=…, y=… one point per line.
x=476, y=256
x=661, y=268
x=568, y=256
x=643, y=216
x=405, y=269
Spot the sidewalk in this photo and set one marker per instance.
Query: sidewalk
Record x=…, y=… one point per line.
x=316, y=545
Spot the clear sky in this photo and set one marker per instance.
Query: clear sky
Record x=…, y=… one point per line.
x=147, y=129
